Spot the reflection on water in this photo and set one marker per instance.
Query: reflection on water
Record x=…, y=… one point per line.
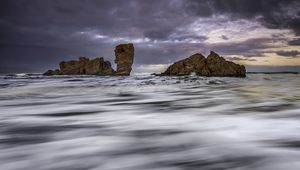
x=147, y=122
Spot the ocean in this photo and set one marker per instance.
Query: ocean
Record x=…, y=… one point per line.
x=146, y=122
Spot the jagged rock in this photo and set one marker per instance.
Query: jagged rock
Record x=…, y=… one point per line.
x=124, y=58
x=213, y=65
x=218, y=66
x=195, y=63
x=98, y=66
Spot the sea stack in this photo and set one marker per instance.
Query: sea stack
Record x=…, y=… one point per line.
x=212, y=66
x=124, y=59
x=98, y=66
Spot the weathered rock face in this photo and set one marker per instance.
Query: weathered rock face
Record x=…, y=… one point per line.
x=218, y=66
x=195, y=63
x=124, y=58
x=98, y=66
x=84, y=65
x=213, y=65
x=52, y=72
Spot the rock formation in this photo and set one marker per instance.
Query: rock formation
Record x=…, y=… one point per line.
x=213, y=65
x=124, y=58
x=52, y=72
x=98, y=66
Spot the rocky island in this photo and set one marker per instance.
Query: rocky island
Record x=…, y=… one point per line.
x=124, y=59
x=212, y=66
x=84, y=66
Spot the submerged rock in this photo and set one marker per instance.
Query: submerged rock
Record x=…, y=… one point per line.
x=98, y=66
x=213, y=65
x=124, y=58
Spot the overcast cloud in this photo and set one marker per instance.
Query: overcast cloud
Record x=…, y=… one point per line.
x=36, y=35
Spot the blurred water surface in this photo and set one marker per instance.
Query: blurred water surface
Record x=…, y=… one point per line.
x=146, y=122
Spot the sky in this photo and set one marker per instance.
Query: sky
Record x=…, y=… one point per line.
x=35, y=35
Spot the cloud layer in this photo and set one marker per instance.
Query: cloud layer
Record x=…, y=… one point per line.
x=36, y=35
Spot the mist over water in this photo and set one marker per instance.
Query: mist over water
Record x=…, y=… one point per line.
x=147, y=122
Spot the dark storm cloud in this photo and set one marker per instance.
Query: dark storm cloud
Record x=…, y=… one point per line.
x=224, y=37
x=36, y=35
x=201, y=8
x=247, y=48
x=294, y=42
x=51, y=28
x=293, y=53
x=158, y=34
x=272, y=13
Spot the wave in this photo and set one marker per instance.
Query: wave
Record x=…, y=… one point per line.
x=149, y=122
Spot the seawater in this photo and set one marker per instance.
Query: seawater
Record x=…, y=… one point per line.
x=146, y=122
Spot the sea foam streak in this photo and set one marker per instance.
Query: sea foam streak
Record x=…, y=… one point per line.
x=148, y=122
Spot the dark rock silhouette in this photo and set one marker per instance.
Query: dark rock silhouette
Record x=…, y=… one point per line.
x=124, y=58
x=213, y=65
x=98, y=66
